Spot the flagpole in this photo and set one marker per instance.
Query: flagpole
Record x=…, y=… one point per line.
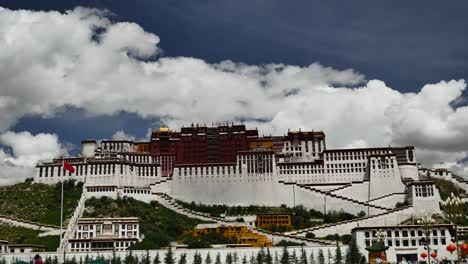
x=61, y=212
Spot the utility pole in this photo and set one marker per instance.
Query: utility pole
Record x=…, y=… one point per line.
x=294, y=196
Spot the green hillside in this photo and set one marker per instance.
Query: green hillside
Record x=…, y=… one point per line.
x=39, y=202
x=159, y=225
x=446, y=188
x=20, y=235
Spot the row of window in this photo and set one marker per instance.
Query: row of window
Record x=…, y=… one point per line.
x=101, y=189
x=406, y=233
x=137, y=191
x=206, y=170
x=85, y=227
x=141, y=158
x=410, y=242
x=321, y=172
x=355, y=155
x=115, y=146
x=288, y=147
x=424, y=190
x=96, y=169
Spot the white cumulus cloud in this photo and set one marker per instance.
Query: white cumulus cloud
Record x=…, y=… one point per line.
x=26, y=151
x=80, y=58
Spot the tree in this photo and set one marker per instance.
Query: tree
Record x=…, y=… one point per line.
x=235, y=257
x=228, y=258
x=312, y=257
x=208, y=258
x=285, y=256
x=268, y=257
x=183, y=258
x=329, y=256
x=197, y=258
x=261, y=256
x=321, y=257
x=169, y=258
x=129, y=259
x=294, y=259
x=353, y=256
x=303, y=258
x=156, y=259
x=146, y=259
x=338, y=255
x=252, y=259
x=114, y=260
x=244, y=260
x=363, y=260
x=218, y=259
x=276, y=257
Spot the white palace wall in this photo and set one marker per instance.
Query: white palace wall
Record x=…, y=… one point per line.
x=357, y=191
x=240, y=252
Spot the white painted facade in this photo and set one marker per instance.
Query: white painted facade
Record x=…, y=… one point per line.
x=406, y=241
x=95, y=234
x=354, y=180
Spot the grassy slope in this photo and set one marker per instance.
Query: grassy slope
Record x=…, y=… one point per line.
x=20, y=235
x=446, y=188
x=158, y=224
x=39, y=202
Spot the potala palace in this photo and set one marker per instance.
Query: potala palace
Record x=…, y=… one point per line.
x=232, y=165
x=235, y=166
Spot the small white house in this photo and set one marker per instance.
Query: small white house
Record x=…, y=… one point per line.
x=25, y=248
x=100, y=234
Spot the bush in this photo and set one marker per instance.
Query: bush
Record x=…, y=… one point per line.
x=310, y=235
x=159, y=225
x=284, y=243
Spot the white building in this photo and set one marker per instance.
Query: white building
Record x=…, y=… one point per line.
x=3, y=246
x=25, y=248
x=406, y=241
x=101, y=234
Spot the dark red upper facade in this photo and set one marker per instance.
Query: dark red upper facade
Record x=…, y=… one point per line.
x=201, y=144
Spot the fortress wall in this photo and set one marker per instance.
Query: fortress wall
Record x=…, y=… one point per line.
x=394, y=218
x=267, y=192
x=357, y=191
x=318, y=201
x=390, y=201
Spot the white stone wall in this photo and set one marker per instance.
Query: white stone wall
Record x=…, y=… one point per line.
x=409, y=171
x=390, y=200
x=385, y=177
x=357, y=191
x=240, y=252
x=425, y=205
x=393, y=218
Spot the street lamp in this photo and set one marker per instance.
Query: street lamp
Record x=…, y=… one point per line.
x=453, y=207
x=426, y=224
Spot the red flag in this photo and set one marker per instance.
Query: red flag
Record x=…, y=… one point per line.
x=68, y=167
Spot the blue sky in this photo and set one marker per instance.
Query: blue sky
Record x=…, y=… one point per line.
x=406, y=44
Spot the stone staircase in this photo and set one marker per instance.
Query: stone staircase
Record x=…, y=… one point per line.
x=172, y=204
x=331, y=194
x=72, y=224
x=27, y=224
x=351, y=223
